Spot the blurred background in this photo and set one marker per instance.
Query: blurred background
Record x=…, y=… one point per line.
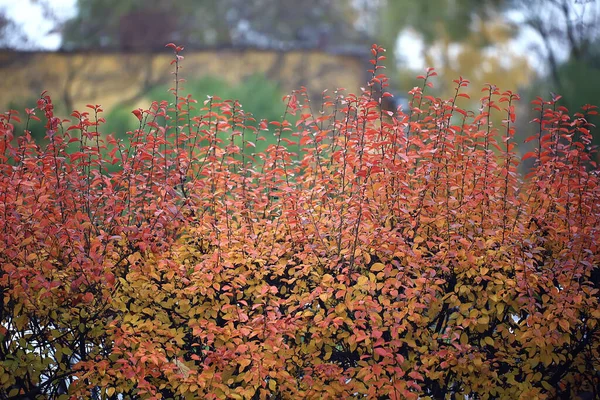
x=111, y=52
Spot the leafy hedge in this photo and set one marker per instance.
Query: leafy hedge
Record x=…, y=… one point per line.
x=387, y=256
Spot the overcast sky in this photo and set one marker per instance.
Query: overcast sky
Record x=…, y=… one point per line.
x=31, y=18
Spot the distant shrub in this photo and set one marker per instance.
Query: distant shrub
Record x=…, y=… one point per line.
x=258, y=96
x=36, y=127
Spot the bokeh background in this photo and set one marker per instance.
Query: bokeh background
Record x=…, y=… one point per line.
x=111, y=52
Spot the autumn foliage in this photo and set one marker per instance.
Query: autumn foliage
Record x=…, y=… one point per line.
x=364, y=254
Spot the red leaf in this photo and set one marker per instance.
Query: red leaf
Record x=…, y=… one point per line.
x=138, y=114
x=529, y=154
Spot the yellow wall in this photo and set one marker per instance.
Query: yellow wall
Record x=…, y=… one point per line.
x=110, y=78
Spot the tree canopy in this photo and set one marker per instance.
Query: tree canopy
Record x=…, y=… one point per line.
x=269, y=23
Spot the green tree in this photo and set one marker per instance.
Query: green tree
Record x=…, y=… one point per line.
x=114, y=23
x=569, y=45
x=455, y=20
x=432, y=18
x=272, y=23
x=562, y=26
x=574, y=81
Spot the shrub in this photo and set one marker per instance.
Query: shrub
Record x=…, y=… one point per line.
x=119, y=121
x=257, y=94
x=259, y=97
x=34, y=126
x=375, y=256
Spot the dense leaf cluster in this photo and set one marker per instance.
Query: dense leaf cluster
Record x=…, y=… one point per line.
x=386, y=255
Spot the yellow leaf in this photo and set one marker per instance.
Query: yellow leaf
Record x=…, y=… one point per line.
x=564, y=324
x=377, y=267
x=110, y=391
x=183, y=388
x=464, y=339
x=352, y=343
x=545, y=358
x=367, y=257
x=489, y=340
x=500, y=309
x=272, y=385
